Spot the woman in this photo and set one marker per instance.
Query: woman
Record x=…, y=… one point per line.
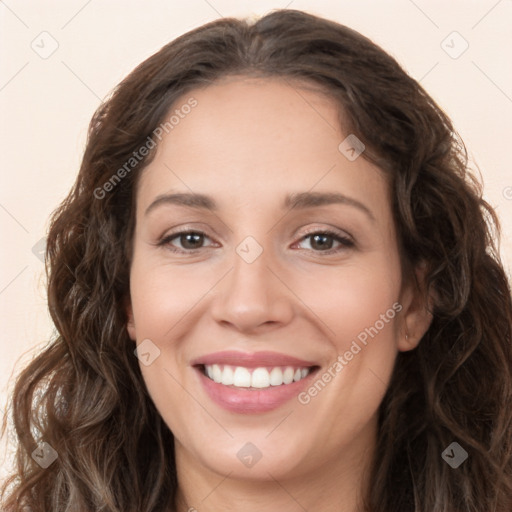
x=276, y=288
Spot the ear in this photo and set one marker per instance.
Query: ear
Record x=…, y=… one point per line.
x=416, y=313
x=130, y=323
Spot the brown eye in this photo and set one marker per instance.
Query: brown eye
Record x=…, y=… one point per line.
x=191, y=240
x=186, y=241
x=323, y=241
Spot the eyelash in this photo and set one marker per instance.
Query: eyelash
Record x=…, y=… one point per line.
x=346, y=243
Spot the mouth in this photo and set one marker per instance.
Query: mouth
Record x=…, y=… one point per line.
x=254, y=378
x=253, y=383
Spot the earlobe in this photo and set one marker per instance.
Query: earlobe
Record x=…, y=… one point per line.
x=409, y=340
x=417, y=316
x=130, y=322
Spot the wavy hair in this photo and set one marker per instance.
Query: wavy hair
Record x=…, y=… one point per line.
x=84, y=394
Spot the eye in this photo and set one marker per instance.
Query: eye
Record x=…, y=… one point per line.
x=186, y=241
x=318, y=241
x=324, y=241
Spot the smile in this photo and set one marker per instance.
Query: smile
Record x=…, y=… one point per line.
x=256, y=378
x=250, y=383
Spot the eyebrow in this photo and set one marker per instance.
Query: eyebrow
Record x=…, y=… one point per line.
x=191, y=200
x=310, y=199
x=295, y=201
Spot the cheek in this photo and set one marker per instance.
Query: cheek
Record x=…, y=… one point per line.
x=359, y=310
x=353, y=299
x=162, y=297
x=166, y=300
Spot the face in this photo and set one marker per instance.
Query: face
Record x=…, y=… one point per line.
x=266, y=284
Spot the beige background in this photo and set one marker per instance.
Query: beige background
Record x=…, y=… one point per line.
x=47, y=100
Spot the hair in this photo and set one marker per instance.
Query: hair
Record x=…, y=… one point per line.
x=84, y=395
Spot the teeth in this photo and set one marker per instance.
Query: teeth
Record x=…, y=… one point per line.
x=276, y=377
x=217, y=373
x=228, y=376
x=242, y=378
x=260, y=378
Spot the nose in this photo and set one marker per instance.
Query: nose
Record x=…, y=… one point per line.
x=253, y=297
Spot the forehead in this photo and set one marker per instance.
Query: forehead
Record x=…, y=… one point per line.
x=261, y=137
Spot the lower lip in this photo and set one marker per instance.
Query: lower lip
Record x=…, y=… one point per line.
x=252, y=401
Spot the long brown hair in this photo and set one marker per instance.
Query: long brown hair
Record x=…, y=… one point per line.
x=84, y=394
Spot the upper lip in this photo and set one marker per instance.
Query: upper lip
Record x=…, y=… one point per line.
x=251, y=360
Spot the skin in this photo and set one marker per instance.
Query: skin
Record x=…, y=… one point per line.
x=247, y=144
